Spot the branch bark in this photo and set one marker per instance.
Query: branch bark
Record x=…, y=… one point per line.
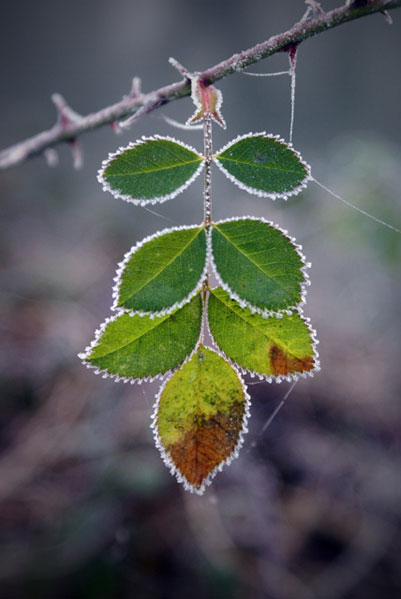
x=70, y=125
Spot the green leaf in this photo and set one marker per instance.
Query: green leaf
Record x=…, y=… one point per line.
x=163, y=271
x=151, y=170
x=268, y=347
x=199, y=418
x=136, y=347
x=264, y=165
x=258, y=264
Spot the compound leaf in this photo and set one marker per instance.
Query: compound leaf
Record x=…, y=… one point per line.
x=136, y=347
x=200, y=417
x=162, y=271
x=258, y=264
x=279, y=347
x=151, y=170
x=264, y=165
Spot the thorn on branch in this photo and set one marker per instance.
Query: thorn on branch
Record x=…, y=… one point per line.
x=77, y=156
x=51, y=157
x=292, y=55
x=66, y=115
x=387, y=16
x=180, y=68
x=116, y=127
x=291, y=50
x=152, y=103
x=314, y=10
x=140, y=112
x=136, y=87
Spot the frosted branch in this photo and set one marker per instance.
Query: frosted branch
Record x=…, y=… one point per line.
x=70, y=125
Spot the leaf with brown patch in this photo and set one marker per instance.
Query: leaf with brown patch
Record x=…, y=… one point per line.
x=284, y=364
x=279, y=347
x=200, y=417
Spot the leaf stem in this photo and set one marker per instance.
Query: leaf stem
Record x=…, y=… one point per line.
x=205, y=297
x=208, y=156
x=207, y=204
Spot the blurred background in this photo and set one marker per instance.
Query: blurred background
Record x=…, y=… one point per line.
x=310, y=510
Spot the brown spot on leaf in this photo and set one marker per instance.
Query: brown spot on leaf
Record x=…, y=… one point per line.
x=207, y=444
x=284, y=364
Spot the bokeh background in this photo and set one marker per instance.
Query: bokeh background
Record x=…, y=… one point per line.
x=310, y=510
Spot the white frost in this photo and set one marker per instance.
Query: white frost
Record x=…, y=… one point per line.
x=244, y=303
x=264, y=194
x=166, y=457
x=116, y=377
x=280, y=378
x=157, y=199
x=127, y=258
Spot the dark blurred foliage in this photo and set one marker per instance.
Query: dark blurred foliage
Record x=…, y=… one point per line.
x=310, y=510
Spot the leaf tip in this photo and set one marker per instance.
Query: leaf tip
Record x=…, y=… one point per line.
x=196, y=439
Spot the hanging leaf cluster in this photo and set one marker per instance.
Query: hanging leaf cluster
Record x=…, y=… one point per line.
x=156, y=169
x=164, y=306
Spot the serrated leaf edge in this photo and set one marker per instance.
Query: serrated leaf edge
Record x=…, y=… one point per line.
x=168, y=309
x=259, y=192
x=117, y=378
x=244, y=303
x=157, y=199
x=165, y=455
x=280, y=378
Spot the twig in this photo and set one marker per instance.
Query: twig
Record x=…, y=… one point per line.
x=140, y=104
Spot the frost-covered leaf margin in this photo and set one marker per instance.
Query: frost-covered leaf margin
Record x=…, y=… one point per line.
x=157, y=200
x=169, y=309
x=115, y=377
x=165, y=455
x=259, y=192
x=280, y=378
x=244, y=303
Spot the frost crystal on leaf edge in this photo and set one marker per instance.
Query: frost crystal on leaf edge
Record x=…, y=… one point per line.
x=168, y=309
x=264, y=194
x=165, y=455
x=281, y=377
x=116, y=377
x=244, y=303
x=157, y=199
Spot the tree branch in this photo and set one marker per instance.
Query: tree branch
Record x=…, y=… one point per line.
x=70, y=125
